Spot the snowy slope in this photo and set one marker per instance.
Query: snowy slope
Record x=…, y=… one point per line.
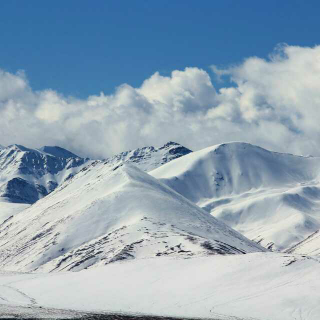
x=270, y=197
x=309, y=246
x=256, y=286
x=104, y=214
x=27, y=175
x=8, y=209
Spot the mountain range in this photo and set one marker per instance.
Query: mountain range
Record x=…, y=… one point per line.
x=27, y=175
x=271, y=198
x=234, y=217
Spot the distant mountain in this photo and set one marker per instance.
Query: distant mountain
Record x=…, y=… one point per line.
x=269, y=197
x=105, y=214
x=58, y=152
x=27, y=175
x=149, y=158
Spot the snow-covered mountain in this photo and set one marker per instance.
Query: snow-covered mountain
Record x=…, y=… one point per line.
x=149, y=158
x=27, y=175
x=133, y=229
x=104, y=214
x=269, y=197
x=58, y=152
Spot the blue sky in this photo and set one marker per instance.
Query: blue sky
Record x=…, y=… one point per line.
x=80, y=47
x=164, y=50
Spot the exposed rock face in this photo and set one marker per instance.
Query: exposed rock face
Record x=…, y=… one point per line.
x=149, y=158
x=27, y=175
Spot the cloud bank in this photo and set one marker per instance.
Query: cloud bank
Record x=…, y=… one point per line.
x=270, y=102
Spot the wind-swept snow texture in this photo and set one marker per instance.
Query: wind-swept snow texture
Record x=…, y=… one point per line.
x=27, y=175
x=104, y=214
x=8, y=209
x=310, y=245
x=255, y=286
x=270, y=197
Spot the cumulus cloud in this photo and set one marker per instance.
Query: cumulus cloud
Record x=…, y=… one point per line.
x=272, y=102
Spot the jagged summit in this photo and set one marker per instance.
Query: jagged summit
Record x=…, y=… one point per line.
x=149, y=158
x=49, y=150
x=171, y=144
x=26, y=174
x=58, y=152
x=19, y=147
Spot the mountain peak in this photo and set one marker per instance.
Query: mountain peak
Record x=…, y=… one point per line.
x=175, y=149
x=30, y=174
x=18, y=147
x=250, y=188
x=171, y=143
x=149, y=158
x=58, y=152
x=109, y=215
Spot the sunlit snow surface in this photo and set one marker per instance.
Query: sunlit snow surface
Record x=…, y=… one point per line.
x=105, y=214
x=270, y=197
x=27, y=175
x=141, y=244
x=8, y=209
x=260, y=286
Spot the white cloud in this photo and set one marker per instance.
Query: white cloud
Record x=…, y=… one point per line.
x=273, y=103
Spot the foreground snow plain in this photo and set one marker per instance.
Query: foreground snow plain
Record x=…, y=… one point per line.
x=259, y=286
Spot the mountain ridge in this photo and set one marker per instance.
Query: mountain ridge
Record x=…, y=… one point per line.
x=105, y=214
x=272, y=198
x=27, y=175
